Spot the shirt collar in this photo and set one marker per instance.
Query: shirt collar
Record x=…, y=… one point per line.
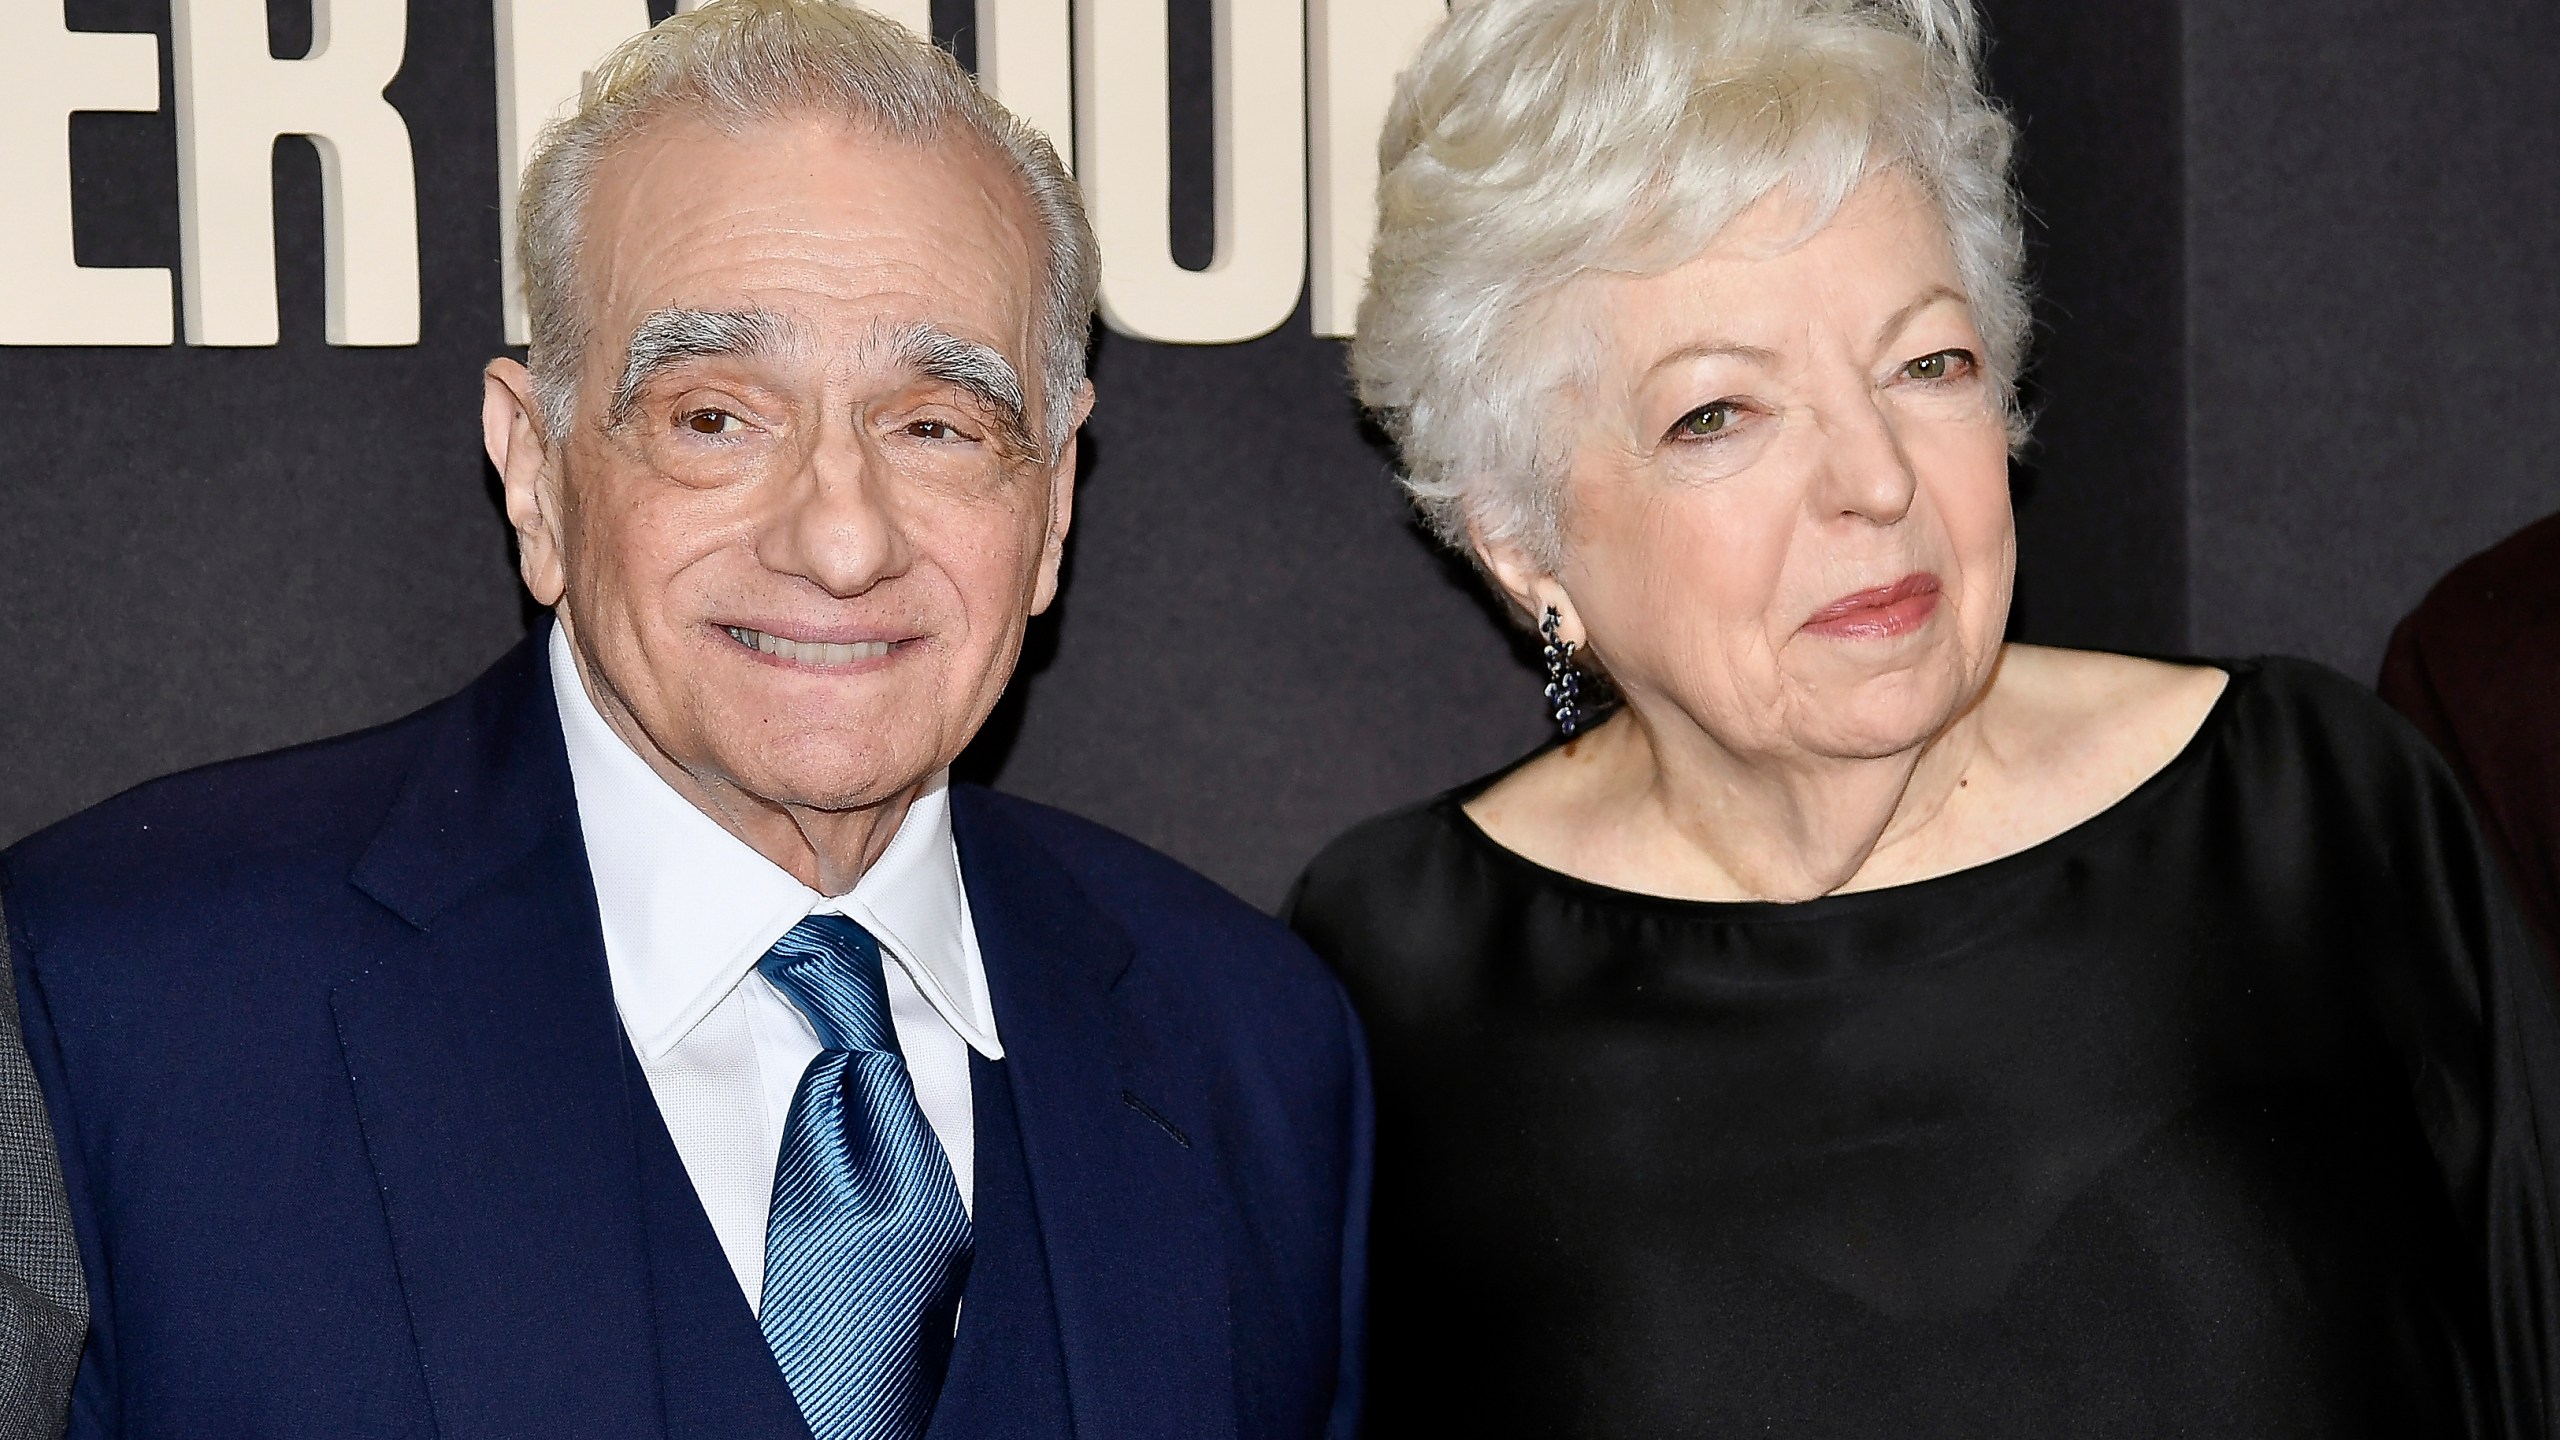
x=689, y=908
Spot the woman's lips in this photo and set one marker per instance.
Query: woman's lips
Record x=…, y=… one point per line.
x=1880, y=613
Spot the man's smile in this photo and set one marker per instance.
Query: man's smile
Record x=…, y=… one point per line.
x=809, y=652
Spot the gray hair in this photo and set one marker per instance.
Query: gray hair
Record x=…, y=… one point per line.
x=1534, y=142
x=737, y=63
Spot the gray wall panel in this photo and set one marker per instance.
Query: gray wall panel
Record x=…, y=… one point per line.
x=1256, y=646
x=209, y=552
x=2101, y=491
x=206, y=553
x=2374, y=307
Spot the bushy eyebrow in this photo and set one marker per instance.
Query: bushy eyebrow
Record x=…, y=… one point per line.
x=980, y=369
x=672, y=336
x=669, y=337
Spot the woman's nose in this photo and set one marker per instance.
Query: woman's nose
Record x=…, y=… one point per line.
x=1866, y=471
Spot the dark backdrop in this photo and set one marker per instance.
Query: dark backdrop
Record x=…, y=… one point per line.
x=2298, y=304
x=2374, y=306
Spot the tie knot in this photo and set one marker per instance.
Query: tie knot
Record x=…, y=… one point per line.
x=829, y=967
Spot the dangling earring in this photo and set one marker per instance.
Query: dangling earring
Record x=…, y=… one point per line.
x=1564, y=682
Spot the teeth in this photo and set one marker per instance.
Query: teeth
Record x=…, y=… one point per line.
x=809, y=652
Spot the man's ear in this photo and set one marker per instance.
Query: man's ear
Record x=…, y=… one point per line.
x=1527, y=585
x=1062, y=505
x=511, y=429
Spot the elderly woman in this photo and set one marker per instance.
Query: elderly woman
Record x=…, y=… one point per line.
x=1861, y=1026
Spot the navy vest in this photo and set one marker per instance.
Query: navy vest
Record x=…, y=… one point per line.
x=719, y=1382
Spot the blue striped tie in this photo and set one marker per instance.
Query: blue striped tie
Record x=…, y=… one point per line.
x=867, y=1244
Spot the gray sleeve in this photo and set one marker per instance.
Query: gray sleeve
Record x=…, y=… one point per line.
x=44, y=1306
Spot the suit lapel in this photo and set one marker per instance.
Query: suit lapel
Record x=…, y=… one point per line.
x=1119, y=1170
x=485, y=1057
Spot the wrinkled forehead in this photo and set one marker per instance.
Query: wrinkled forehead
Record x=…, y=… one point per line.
x=1786, y=263
x=834, y=226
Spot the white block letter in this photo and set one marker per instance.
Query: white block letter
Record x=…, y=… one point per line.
x=545, y=48
x=1356, y=49
x=234, y=99
x=916, y=15
x=46, y=73
x=1025, y=59
x=1122, y=156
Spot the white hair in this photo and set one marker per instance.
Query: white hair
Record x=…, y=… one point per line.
x=1534, y=142
x=739, y=63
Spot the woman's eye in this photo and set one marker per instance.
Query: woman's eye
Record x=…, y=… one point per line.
x=1939, y=366
x=710, y=422
x=1708, y=421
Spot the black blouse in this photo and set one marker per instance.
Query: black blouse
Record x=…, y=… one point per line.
x=2221, y=1113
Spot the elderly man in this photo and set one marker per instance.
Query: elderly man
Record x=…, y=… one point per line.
x=649, y=1039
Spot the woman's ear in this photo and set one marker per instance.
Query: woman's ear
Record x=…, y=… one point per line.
x=1527, y=585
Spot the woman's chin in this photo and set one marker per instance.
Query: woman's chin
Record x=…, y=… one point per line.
x=1886, y=715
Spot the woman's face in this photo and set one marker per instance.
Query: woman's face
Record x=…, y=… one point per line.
x=1788, y=514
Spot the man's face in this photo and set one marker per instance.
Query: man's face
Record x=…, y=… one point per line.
x=804, y=511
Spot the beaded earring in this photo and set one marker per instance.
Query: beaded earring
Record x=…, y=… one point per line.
x=1564, y=682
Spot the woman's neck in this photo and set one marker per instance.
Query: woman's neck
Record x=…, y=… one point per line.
x=1653, y=804
x=1782, y=827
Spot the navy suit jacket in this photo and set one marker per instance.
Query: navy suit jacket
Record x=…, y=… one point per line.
x=351, y=1131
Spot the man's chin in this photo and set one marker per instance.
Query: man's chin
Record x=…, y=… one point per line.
x=875, y=750
x=833, y=778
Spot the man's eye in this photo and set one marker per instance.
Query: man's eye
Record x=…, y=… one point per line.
x=1707, y=421
x=934, y=430
x=1939, y=366
x=710, y=422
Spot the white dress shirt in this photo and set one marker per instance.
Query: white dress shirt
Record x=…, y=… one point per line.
x=688, y=910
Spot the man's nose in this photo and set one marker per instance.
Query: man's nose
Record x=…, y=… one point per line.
x=835, y=521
